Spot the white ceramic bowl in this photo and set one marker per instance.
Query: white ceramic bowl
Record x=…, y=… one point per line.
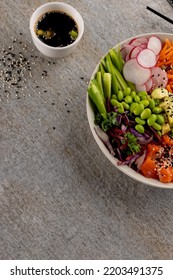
x=90, y=114
x=56, y=52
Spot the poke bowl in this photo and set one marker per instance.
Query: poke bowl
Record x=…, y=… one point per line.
x=129, y=107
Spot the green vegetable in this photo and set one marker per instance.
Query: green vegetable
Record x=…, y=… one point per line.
x=139, y=121
x=98, y=99
x=145, y=114
x=108, y=122
x=73, y=33
x=107, y=85
x=120, y=95
x=99, y=81
x=139, y=128
x=139, y=108
x=157, y=126
x=157, y=110
x=116, y=59
x=133, y=146
x=151, y=120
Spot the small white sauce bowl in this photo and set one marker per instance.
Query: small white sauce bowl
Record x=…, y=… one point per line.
x=56, y=52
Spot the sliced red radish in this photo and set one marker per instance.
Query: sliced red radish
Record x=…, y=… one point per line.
x=160, y=78
x=149, y=84
x=143, y=46
x=147, y=58
x=135, y=73
x=138, y=41
x=126, y=49
x=127, y=57
x=154, y=44
x=140, y=87
x=135, y=51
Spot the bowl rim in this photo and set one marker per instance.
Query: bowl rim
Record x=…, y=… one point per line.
x=90, y=115
x=60, y=4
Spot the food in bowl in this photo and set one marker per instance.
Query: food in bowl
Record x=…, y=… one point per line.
x=130, y=107
x=50, y=40
x=56, y=29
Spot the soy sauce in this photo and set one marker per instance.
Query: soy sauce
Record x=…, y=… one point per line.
x=56, y=29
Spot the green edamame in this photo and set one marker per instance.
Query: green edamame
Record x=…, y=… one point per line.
x=142, y=95
x=139, y=128
x=160, y=119
x=133, y=94
x=137, y=98
x=157, y=126
x=151, y=103
x=157, y=110
x=151, y=120
x=128, y=99
x=114, y=102
x=146, y=113
x=144, y=102
x=120, y=108
x=127, y=91
x=125, y=105
x=138, y=109
x=120, y=95
x=114, y=96
x=139, y=121
x=132, y=106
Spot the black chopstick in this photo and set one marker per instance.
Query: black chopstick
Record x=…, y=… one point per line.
x=160, y=15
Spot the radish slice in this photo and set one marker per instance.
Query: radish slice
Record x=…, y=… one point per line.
x=141, y=87
x=127, y=57
x=135, y=73
x=154, y=44
x=160, y=78
x=126, y=49
x=138, y=41
x=135, y=51
x=147, y=58
x=149, y=84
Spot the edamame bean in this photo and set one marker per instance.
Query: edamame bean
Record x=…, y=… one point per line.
x=151, y=120
x=125, y=105
x=133, y=94
x=142, y=95
x=139, y=128
x=120, y=108
x=127, y=91
x=132, y=106
x=120, y=95
x=160, y=119
x=137, y=98
x=151, y=104
x=114, y=102
x=128, y=99
x=146, y=113
x=138, y=109
x=157, y=110
x=157, y=126
x=139, y=121
x=114, y=96
x=144, y=102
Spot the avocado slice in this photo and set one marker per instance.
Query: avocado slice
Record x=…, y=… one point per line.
x=159, y=93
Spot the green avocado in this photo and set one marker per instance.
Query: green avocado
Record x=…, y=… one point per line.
x=159, y=93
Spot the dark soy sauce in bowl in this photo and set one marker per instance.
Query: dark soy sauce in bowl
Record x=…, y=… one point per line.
x=56, y=29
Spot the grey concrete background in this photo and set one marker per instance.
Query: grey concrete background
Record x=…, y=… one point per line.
x=60, y=198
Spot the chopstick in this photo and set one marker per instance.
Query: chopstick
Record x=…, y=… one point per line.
x=160, y=15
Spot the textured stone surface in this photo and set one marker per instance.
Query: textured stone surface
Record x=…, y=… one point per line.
x=60, y=198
